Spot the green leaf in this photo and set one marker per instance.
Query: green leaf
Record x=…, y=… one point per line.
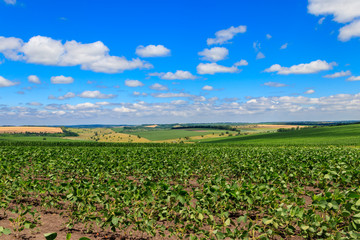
x=50, y=236
x=346, y=214
x=354, y=195
x=201, y=217
x=357, y=215
x=68, y=236
x=304, y=227
x=84, y=238
x=267, y=221
x=357, y=203
x=115, y=221
x=227, y=222
x=6, y=231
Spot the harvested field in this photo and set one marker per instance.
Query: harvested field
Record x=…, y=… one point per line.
x=30, y=129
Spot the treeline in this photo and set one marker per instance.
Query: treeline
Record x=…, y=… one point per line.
x=220, y=127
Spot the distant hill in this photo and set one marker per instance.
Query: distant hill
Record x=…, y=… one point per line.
x=327, y=135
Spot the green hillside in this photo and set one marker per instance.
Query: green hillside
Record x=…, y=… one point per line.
x=330, y=135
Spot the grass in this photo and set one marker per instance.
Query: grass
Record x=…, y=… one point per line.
x=332, y=135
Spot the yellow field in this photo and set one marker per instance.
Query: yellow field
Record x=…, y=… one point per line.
x=104, y=135
x=30, y=129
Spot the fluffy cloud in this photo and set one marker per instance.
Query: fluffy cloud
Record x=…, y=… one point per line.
x=287, y=108
x=275, y=84
x=349, y=31
x=284, y=46
x=133, y=83
x=96, y=94
x=178, y=75
x=268, y=36
x=34, y=104
x=10, y=47
x=242, y=62
x=338, y=74
x=304, y=68
x=207, y=88
x=159, y=87
x=345, y=11
x=354, y=78
x=214, y=54
x=61, y=80
x=139, y=94
x=34, y=79
x=47, y=51
x=223, y=36
x=152, y=51
x=310, y=91
x=171, y=95
x=43, y=50
x=66, y=96
x=6, y=83
x=212, y=68
x=123, y=110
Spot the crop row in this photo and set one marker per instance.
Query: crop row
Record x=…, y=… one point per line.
x=189, y=192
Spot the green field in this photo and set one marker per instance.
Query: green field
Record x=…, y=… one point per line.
x=145, y=191
x=33, y=138
x=330, y=135
x=159, y=134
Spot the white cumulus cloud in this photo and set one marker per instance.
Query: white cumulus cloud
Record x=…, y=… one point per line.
x=34, y=79
x=223, y=36
x=212, y=68
x=152, y=51
x=178, y=75
x=349, y=31
x=310, y=91
x=47, y=51
x=133, y=83
x=214, y=54
x=242, y=62
x=6, y=83
x=61, y=80
x=96, y=94
x=207, y=88
x=159, y=87
x=304, y=68
x=344, y=11
x=268, y=36
x=66, y=96
x=275, y=84
x=338, y=74
x=353, y=78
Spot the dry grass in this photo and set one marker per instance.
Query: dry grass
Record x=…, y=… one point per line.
x=30, y=129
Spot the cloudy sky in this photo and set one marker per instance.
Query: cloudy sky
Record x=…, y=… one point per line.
x=132, y=62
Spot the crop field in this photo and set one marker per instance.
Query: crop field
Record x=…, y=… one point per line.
x=164, y=191
x=333, y=135
x=30, y=129
x=174, y=134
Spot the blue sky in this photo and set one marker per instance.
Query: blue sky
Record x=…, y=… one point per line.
x=133, y=62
